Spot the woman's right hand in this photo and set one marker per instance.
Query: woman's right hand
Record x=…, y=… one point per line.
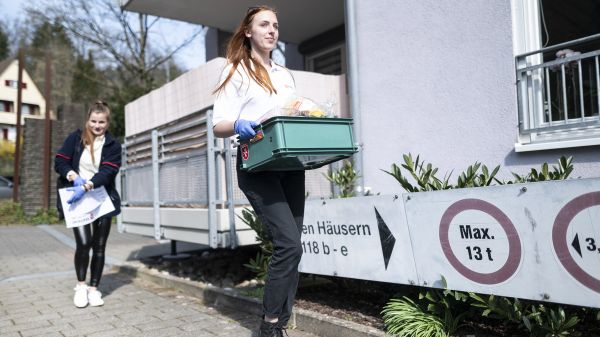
x=245, y=128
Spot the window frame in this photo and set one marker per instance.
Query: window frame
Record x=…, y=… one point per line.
x=310, y=58
x=527, y=39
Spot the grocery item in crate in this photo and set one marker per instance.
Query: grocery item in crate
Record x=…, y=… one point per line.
x=298, y=106
x=304, y=107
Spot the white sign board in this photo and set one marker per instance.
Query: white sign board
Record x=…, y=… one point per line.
x=537, y=241
x=365, y=238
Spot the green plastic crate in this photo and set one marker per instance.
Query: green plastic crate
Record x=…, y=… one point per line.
x=298, y=143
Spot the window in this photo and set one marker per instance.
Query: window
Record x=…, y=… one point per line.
x=326, y=52
x=26, y=109
x=331, y=61
x=6, y=106
x=13, y=84
x=30, y=109
x=558, y=74
x=35, y=109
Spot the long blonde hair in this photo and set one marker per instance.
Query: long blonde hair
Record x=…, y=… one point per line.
x=239, y=51
x=87, y=137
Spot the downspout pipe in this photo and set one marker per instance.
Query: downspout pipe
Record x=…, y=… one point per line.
x=354, y=90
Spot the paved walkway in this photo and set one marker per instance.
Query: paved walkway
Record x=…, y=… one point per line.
x=37, y=277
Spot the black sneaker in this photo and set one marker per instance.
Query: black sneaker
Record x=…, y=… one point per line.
x=269, y=329
x=282, y=327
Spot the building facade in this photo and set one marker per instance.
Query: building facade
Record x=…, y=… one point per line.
x=510, y=83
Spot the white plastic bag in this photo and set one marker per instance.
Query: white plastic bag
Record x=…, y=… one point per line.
x=302, y=106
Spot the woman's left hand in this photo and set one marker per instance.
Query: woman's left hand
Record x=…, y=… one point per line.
x=79, y=181
x=245, y=128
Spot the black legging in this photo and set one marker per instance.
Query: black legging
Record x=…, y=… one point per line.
x=97, y=241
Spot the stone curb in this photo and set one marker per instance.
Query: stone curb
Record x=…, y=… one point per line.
x=309, y=321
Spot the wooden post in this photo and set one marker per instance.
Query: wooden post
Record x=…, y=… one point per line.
x=18, y=127
x=47, y=132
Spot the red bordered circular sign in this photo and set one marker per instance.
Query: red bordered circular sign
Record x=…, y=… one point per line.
x=514, y=243
x=559, y=238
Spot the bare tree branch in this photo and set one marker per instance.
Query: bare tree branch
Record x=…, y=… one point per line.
x=103, y=25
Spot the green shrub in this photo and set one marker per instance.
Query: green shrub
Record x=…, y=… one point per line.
x=11, y=213
x=539, y=320
x=423, y=174
x=560, y=172
x=451, y=306
x=345, y=179
x=257, y=292
x=7, y=155
x=425, y=179
x=443, y=309
x=260, y=264
x=44, y=217
x=405, y=318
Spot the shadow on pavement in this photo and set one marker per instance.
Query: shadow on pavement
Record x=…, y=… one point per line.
x=113, y=281
x=162, y=249
x=248, y=321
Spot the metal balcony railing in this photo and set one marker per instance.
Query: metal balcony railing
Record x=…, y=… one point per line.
x=557, y=91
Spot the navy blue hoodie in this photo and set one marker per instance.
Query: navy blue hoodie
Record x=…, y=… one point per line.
x=67, y=159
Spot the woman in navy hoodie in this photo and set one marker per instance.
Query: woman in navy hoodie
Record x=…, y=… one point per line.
x=88, y=159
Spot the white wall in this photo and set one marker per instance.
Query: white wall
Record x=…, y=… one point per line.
x=192, y=92
x=437, y=79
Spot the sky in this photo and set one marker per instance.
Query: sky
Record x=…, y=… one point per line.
x=188, y=58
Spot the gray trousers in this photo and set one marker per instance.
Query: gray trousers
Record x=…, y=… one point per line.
x=278, y=200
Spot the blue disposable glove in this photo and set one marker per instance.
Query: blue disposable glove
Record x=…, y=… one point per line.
x=79, y=192
x=79, y=181
x=245, y=128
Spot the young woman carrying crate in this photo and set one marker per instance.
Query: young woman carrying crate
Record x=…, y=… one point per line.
x=251, y=85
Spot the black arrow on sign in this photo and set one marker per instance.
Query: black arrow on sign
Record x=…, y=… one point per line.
x=387, y=239
x=575, y=244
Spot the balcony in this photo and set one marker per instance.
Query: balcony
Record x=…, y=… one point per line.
x=557, y=93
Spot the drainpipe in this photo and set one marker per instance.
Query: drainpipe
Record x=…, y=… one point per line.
x=353, y=90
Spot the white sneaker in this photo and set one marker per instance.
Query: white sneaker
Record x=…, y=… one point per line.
x=81, y=296
x=95, y=298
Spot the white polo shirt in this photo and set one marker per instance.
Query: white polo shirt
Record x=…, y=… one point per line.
x=87, y=167
x=243, y=98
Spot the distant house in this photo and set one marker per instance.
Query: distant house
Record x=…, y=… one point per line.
x=34, y=104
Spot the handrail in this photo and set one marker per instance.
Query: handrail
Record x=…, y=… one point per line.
x=560, y=61
x=561, y=45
